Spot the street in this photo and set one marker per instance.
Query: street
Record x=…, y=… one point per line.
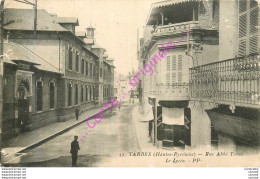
x=114, y=134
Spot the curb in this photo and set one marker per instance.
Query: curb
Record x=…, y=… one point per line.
x=40, y=142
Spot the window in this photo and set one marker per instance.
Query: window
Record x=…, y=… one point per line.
x=179, y=62
x=90, y=93
x=77, y=62
x=69, y=94
x=94, y=70
x=174, y=62
x=70, y=58
x=39, y=95
x=82, y=66
x=86, y=68
x=100, y=72
x=168, y=63
x=52, y=95
x=82, y=93
x=93, y=89
x=76, y=94
x=90, y=65
x=247, y=28
x=86, y=93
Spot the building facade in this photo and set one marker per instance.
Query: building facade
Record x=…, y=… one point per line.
x=49, y=76
x=204, y=93
x=166, y=90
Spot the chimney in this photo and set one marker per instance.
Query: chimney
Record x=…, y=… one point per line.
x=90, y=32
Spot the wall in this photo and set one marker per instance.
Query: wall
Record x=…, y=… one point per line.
x=228, y=29
x=200, y=127
x=8, y=123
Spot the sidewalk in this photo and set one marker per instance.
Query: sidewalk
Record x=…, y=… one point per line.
x=142, y=130
x=27, y=140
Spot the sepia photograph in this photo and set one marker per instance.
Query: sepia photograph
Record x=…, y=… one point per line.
x=129, y=83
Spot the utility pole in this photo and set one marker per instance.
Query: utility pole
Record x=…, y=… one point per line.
x=1, y=72
x=35, y=19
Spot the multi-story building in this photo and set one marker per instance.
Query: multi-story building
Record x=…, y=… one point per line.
x=49, y=76
x=167, y=88
x=228, y=89
x=217, y=104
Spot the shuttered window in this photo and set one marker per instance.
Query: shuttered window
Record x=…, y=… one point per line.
x=168, y=63
x=174, y=69
x=174, y=62
x=247, y=29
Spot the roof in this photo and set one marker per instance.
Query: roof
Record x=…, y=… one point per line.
x=89, y=41
x=68, y=20
x=97, y=46
x=91, y=52
x=164, y=4
x=80, y=33
x=14, y=52
x=23, y=19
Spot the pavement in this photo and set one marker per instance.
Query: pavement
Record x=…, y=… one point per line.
x=142, y=129
x=13, y=147
x=114, y=135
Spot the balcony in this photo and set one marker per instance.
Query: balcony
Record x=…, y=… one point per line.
x=232, y=82
x=175, y=28
x=170, y=92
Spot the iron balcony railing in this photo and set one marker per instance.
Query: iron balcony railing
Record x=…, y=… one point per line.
x=233, y=81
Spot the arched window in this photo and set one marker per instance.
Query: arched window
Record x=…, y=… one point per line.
x=82, y=92
x=76, y=94
x=77, y=61
x=69, y=94
x=86, y=93
x=39, y=95
x=90, y=93
x=52, y=95
x=70, y=58
x=82, y=66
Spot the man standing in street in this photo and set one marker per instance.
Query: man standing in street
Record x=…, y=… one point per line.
x=77, y=113
x=74, y=151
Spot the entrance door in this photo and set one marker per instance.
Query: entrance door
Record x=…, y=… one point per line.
x=23, y=112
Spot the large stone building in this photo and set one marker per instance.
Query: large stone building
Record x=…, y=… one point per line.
x=48, y=77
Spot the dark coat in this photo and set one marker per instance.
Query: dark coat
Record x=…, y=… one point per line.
x=76, y=112
x=74, y=147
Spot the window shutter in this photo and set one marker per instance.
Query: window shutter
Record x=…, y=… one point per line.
x=174, y=62
x=179, y=77
x=242, y=6
x=253, y=44
x=167, y=78
x=253, y=20
x=247, y=28
x=179, y=62
x=242, y=48
x=242, y=25
x=168, y=63
x=174, y=77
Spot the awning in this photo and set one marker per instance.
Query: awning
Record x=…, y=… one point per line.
x=155, y=6
x=173, y=116
x=239, y=128
x=148, y=115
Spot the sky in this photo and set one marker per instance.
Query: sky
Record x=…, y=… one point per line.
x=116, y=22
